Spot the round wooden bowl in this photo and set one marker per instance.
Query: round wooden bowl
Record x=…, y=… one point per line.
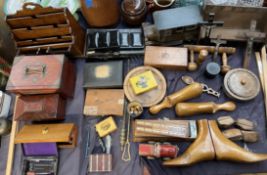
x=151, y=97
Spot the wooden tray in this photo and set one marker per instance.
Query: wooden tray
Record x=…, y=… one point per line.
x=151, y=97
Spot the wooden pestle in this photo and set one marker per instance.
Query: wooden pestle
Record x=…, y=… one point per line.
x=187, y=109
x=191, y=91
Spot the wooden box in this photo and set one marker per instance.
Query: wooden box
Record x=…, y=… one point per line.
x=63, y=134
x=166, y=57
x=40, y=107
x=102, y=102
x=38, y=29
x=43, y=74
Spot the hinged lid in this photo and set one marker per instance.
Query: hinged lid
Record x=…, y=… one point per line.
x=46, y=133
x=36, y=72
x=241, y=84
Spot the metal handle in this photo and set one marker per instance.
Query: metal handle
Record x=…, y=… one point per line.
x=126, y=155
x=35, y=69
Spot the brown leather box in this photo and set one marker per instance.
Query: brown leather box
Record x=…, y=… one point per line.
x=166, y=57
x=44, y=74
x=40, y=107
x=102, y=102
x=64, y=134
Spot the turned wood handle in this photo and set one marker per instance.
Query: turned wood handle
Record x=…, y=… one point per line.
x=202, y=56
x=211, y=49
x=191, y=91
x=188, y=109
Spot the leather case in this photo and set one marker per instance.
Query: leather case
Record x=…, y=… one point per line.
x=102, y=102
x=40, y=107
x=65, y=135
x=5, y=102
x=40, y=149
x=43, y=74
x=103, y=74
x=100, y=163
x=38, y=29
x=166, y=57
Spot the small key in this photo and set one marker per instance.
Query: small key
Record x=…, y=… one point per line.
x=189, y=80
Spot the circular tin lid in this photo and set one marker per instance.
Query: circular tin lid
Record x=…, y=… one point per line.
x=241, y=84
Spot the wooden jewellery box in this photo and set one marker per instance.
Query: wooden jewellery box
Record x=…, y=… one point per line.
x=40, y=107
x=5, y=102
x=45, y=74
x=65, y=135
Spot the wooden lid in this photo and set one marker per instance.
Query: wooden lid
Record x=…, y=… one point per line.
x=151, y=97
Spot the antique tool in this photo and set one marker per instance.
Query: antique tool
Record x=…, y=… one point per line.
x=250, y=136
x=158, y=150
x=126, y=154
x=191, y=91
x=105, y=127
x=210, y=24
x=123, y=128
x=151, y=97
x=245, y=124
x=251, y=35
x=241, y=84
x=237, y=134
x=225, y=67
x=192, y=65
x=225, y=121
x=189, y=80
x=211, y=144
x=164, y=130
x=202, y=56
x=233, y=134
x=188, y=109
x=211, y=49
x=135, y=109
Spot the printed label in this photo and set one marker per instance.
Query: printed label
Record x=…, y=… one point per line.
x=90, y=110
x=89, y=3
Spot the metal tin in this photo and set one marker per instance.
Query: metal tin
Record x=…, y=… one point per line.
x=241, y=84
x=5, y=102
